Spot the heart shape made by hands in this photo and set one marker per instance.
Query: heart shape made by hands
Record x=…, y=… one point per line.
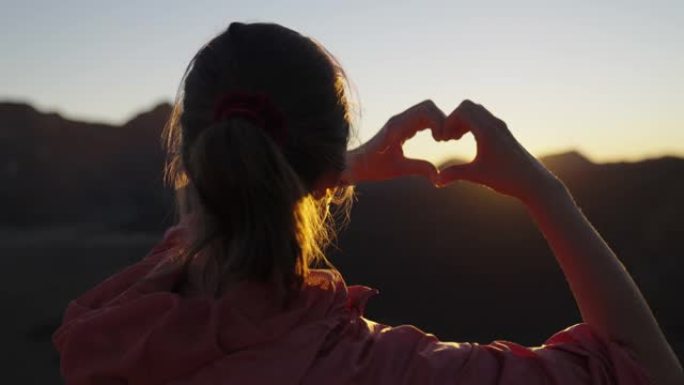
x=383, y=156
x=440, y=153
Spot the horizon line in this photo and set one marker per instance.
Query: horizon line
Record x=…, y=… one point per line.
x=165, y=102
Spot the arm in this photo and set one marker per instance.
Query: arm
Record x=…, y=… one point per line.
x=608, y=299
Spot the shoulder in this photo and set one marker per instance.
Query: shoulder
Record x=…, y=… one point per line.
x=405, y=354
x=364, y=351
x=354, y=297
x=575, y=355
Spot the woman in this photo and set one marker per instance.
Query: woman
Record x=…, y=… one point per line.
x=257, y=153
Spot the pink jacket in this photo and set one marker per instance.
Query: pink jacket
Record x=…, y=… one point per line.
x=126, y=332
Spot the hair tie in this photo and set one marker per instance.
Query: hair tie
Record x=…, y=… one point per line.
x=256, y=107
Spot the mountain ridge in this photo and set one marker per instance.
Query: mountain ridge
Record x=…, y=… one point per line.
x=161, y=111
x=62, y=171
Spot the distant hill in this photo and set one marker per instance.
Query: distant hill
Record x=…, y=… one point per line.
x=57, y=170
x=462, y=262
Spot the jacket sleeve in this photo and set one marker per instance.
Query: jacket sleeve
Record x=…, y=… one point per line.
x=574, y=356
x=97, y=298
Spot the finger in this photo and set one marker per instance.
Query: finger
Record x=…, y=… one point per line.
x=419, y=167
x=480, y=111
x=484, y=116
x=457, y=172
x=473, y=117
x=419, y=117
x=461, y=121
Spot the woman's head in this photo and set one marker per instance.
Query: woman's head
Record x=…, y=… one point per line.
x=261, y=203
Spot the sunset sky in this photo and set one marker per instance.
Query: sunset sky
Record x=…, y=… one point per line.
x=603, y=77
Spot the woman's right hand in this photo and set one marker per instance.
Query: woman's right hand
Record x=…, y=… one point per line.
x=501, y=162
x=382, y=157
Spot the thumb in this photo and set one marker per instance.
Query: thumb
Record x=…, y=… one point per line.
x=456, y=172
x=419, y=167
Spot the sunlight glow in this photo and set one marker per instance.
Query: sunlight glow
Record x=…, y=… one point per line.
x=602, y=78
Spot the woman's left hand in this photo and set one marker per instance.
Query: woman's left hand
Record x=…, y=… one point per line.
x=382, y=157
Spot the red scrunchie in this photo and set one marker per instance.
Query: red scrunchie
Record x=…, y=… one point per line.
x=256, y=107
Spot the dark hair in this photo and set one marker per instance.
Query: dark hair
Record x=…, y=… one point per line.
x=260, y=214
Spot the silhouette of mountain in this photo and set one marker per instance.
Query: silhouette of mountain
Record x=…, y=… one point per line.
x=60, y=171
x=462, y=262
x=565, y=160
x=568, y=159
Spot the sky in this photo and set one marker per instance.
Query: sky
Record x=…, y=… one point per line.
x=601, y=77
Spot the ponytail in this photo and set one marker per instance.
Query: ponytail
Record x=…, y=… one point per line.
x=258, y=210
x=253, y=208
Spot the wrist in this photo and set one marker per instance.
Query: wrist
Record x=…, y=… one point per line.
x=549, y=193
x=351, y=174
